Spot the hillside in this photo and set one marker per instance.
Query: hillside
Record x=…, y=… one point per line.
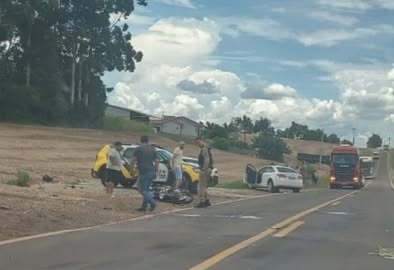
x=68, y=154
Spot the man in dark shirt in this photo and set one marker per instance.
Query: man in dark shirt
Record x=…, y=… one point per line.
x=148, y=164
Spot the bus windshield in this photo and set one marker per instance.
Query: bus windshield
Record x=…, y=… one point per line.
x=344, y=159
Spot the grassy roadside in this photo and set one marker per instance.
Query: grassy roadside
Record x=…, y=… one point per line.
x=232, y=185
x=391, y=157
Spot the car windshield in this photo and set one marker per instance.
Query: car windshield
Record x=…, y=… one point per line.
x=164, y=154
x=345, y=159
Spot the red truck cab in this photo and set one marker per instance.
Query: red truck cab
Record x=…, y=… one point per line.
x=345, y=167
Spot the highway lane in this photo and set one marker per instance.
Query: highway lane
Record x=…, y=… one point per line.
x=342, y=236
x=185, y=239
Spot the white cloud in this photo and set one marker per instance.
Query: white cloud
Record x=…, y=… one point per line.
x=174, y=41
x=265, y=27
x=179, y=3
x=273, y=91
x=177, y=50
x=358, y=5
x=331, y=37
x=347, y=4
x=333, y=17
x=182, y=105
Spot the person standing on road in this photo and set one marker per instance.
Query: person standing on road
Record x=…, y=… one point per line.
x=147, y=162
x=114, y=162
x=176, y=164
x=205, y=172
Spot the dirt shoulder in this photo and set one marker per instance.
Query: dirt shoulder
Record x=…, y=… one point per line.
x=48, y=207
x=76, y=199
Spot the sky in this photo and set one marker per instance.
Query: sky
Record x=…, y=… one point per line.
x=324, y=63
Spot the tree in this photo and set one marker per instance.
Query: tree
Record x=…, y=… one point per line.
x=346, y=142
x=271, y=147
x=243, y=124
x=53, y=54
x=333, y=138
x=375, y=141
x=214, y=130
x=263, y=126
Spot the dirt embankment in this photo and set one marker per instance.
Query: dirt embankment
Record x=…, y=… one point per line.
x=75, y=199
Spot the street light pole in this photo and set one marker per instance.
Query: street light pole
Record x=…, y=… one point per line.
x=321, y=149
x=354, y=135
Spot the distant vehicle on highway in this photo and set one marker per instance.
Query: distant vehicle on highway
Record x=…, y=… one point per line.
x=345, y=169
x=386, y=147
x=375, y=154
x=273, y=178
x=367, y=166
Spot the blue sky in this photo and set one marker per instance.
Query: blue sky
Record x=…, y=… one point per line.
x=325, y=63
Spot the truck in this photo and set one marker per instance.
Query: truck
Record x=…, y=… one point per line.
x=367, y=166
x=345, y=167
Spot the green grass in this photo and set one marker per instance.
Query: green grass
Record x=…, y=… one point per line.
x=22, y=179
x=122, y=124
x=365, y=151
x=391, y=153
x=232, y=185
x=323, y=182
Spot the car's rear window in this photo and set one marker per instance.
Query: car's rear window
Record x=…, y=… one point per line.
x=286, y=170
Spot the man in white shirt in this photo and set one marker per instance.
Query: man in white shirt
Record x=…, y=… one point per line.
x=176, y=163
x=114, y=162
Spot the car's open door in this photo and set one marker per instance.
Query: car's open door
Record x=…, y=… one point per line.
x=250, y=176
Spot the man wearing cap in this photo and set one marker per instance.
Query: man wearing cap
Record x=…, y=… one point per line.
x=176, y=163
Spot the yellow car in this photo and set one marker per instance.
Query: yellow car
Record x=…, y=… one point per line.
x=164, y=176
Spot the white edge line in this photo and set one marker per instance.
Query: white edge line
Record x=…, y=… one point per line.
x=55, y=233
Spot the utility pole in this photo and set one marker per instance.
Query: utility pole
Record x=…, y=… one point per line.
x=354, y=135
x=321, y=149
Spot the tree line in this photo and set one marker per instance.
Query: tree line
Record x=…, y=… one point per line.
x=53, y=54
x=267, y=140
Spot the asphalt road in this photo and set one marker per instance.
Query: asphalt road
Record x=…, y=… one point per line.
x=340, y=235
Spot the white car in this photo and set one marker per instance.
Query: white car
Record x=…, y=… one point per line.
x=273, y=178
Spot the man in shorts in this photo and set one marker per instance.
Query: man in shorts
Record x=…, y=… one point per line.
x=176, y=164
x=147, y=162
x=114, y=162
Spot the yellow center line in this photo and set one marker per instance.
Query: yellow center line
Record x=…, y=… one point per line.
x=336, y=203
x=246, y=243
x=289, y=229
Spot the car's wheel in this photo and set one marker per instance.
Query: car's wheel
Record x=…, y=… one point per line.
x=191, y=186
x=356, y=187
x=296, y=190
x=270, y=186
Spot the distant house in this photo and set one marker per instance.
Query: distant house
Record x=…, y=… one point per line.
x=116, y=111
x=181, y=126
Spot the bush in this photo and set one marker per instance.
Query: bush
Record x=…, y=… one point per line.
x=271, y=147
x=220, y=143
x=121, y=124
x=22, y=179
